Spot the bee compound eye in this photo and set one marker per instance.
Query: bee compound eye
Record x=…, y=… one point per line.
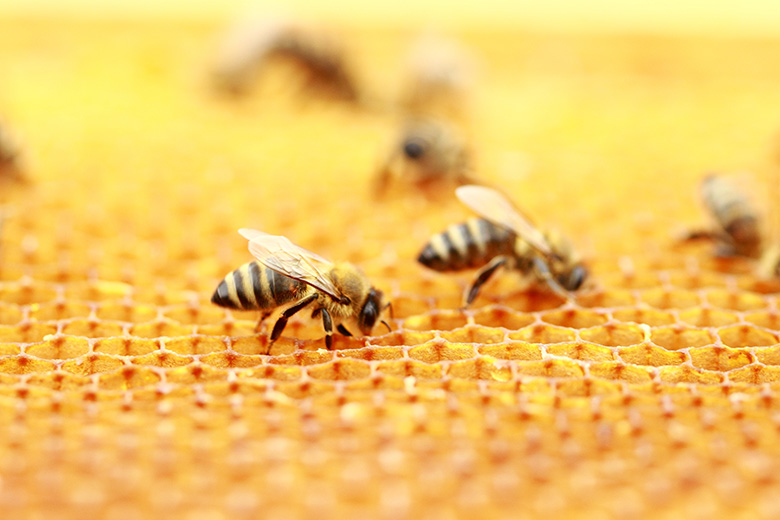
x=413, y=149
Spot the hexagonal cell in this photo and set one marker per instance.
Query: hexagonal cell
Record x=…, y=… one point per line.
x=401, y=338
x=438, y=320
x=10, y=349
x=637, y=280
x=532, y=300
x=59, y=381
x=59, y=310
x=159, y=328
x=550, y=368
x=512, y=350
x=618, y=370
x=480, y=368
x=26, y=332
x=721, y=359
x=132, y=312
x=678, y=337
x=93, y=328
x=340, y=370
x=735, y=300
x=10, y=314
x=59, y=347
x=662, y=298
x=755, y=374
x=372, y=353
x=581, y=351
x=741, y=336
x=768, y=355
x=92, y=364
x=766, y=319
x=696, y=280
x=707, y=317
x=651, y=317
x=230, y=359
x=405, y=306
x=27, y=293
x=474, y=334
x=194, y=315
x=97, y=291
x=195, y=345
x=195, y=373
x=574, y=318
x=407, y=367
x=541, y=333
x=440, y=350
x=614, y=335
x=274, y=372
x=128, y=377
x=586, y=387
x=126, y=346
x=651, y=356
x=163, y=358
x=500, y=316
x=25, y=365
x=687, y=374
x=607, y=298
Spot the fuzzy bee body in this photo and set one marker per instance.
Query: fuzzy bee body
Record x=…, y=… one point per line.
x=255, y=287
x=734, y=214
x=467, y=245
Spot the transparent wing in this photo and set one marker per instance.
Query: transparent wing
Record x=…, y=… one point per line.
x=284, y=257
x=493, y=206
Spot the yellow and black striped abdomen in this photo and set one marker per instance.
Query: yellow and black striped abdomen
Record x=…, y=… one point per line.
x=255, y=287
x=466, y=245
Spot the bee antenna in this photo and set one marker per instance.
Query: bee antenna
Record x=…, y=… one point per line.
x=389, y=306
x=386, y=325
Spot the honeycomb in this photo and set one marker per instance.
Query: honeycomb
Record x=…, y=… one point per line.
x=125, y=394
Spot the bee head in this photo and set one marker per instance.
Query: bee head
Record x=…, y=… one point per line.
x=370, y=311
x=572, y=279
x=414, y=148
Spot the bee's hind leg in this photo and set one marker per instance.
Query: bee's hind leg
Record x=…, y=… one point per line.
x=281, y=323
x=482, y=277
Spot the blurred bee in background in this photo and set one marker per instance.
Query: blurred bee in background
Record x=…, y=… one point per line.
x=10, y=157
x=503, y=237
x=439, y=79
x=429, y=154
x=254, y=43
x=285, y=273
x=737, y=231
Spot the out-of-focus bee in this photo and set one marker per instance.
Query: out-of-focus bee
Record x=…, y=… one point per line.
x=430, y=155
x=250, y=46
x=10, y=160
x=439, y=78
x=285, y=273
x=737, y=231
x=503, y=237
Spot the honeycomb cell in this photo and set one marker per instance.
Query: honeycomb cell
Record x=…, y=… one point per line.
x=574, y=318
x=128, y=377
x=92, y=364
x=623, y=372
x=499, y=316
x=676, y=338
x=608, y=298
x=735, y=300
x=721, y=359
x=125, y=346
x=195, y=373
x=485, y=368
x=662, y=298
x=544, y=334
x=97, y=291
x=651, y=356
x=648, y=316
x=10, y=349
x=614, y=335
x=410, y=368
x=550, y=368
x=406, y=306
x=581, y=351
x=24, y=293
x=274, y=372
x=688, y=374
x=439, y=320
x=304, y=358
x=768, y=355
x=439, y=350
x=766, y=319
x=59, y=381
x=26, y=332
x=740, y=336
x=472, y=334
x=59, y=310
x=372, y=353
x=163, y=359
x=10, y=314
x=24, y=365
x=404, y=337
x=250, y=345
x=59, y=347
x=587, y=387
x=195, y=345
x=707, y=317
x=126, y=311
x=340, y=370
x=93, y=328
x=755, y=374
x=512, y=350
x=194, y=315
x=158, y=329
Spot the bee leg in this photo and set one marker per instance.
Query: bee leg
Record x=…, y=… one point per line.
x=544, y=274
x=343, y=330
x=263, y=317
x=483, y=276
x=327, y=323
x=281, y=323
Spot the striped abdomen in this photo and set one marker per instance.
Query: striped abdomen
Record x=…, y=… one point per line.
x=467, y=245
x=254, y=287
x=734, y=212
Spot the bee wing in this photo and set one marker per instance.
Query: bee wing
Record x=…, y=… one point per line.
x=279, y=254
x=493, y=206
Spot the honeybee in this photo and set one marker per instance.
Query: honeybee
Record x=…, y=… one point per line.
x=10, y=158
x=439, y=78
x=503, y=237
x=737, y=231
x=429, y=154
x=285, y=273
x=252, y=45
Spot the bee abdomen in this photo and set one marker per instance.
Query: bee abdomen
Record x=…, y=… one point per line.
x=467, y=245
x=254, y=287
